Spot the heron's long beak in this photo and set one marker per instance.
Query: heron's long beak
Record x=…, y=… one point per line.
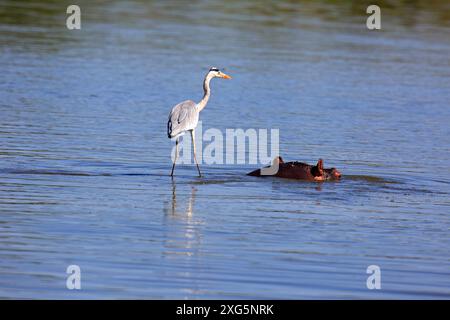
x=225, y=76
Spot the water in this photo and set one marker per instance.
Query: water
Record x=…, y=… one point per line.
x=84, y=157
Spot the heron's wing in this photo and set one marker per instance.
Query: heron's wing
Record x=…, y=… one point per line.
x=184, y=116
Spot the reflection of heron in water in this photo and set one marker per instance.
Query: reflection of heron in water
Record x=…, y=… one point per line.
x=182, y=238
x=180, y=218
x=190, y=204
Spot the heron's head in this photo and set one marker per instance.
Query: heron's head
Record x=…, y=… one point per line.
x=216, y=73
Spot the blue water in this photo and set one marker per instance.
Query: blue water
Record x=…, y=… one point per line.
x=84, y=156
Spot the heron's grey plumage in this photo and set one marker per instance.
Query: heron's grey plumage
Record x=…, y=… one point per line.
x=183, y=117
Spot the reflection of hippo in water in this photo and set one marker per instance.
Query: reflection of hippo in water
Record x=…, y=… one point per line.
x=301, y=171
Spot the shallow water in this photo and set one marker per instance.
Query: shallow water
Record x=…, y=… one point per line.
x=84, y=157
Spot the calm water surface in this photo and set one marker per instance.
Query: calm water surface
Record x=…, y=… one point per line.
x=84, y=157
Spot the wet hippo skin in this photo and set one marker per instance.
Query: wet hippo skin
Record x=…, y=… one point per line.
x=301, y=171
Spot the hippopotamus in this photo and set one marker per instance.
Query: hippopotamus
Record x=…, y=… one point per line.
x=300, y=171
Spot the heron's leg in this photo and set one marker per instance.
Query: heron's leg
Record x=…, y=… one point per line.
x=195, y=156
x=176, y=155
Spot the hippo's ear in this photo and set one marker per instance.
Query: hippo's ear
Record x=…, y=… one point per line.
x=320, y=165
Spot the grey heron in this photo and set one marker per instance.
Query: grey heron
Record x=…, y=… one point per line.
x=184, y=116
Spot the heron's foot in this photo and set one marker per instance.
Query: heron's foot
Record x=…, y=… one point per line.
x=199, y=172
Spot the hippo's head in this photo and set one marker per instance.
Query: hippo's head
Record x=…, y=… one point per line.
x=332, y=174
x=321, y=174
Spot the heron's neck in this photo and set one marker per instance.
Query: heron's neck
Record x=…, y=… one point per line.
x=207, y=92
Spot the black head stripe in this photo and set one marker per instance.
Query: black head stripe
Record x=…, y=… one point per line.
x=214, y=69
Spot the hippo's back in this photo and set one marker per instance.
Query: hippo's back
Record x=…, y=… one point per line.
x=295, y=170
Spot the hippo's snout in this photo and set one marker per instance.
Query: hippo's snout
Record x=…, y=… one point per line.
x=336, y=174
